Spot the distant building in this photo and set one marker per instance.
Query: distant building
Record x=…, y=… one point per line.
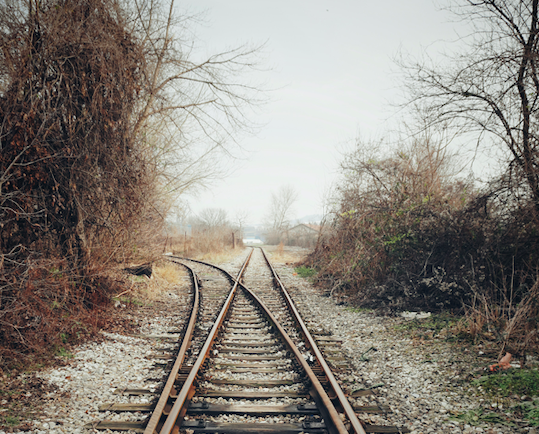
x=250, y=241
x=252, y=235
x=302, y=235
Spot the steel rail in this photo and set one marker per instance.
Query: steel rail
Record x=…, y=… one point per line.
x=188, y=389
x=186, y=342
x=343, y=401
x=324, y=403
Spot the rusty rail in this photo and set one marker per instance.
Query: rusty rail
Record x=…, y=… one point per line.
x=188, y=389
x=343, y=401
x=168, y=414
x=332, y=417
x=169, y=385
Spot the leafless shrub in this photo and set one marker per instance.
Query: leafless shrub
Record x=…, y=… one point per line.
x=487, y=91
x=213, y=232
x=210, y=232
x=381, y=244
x=405, y=237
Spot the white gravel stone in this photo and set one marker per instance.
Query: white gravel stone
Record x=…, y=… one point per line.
x=421, y=382
x=97, y=369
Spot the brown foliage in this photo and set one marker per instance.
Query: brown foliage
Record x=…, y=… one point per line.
x=100, y=104
x=49, y=308
x=379, y=235
x=20, y=397
x=74, y=186
x=406, y=235
x=487, y=93
x=210, y=232
x=406, y=238
x=71, y=174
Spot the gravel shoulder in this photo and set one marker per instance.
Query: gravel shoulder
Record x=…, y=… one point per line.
x=68, y=395
x=422, y=380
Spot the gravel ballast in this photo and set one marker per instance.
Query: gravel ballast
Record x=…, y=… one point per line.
x=422, y=381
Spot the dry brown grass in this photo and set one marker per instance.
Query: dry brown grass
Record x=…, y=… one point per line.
x=49, y=309
x=211, y=246
x=166, y=276
x=179, y=246
x=220, y=256
x=169, y=272
x=285, y=255
x=513, y=328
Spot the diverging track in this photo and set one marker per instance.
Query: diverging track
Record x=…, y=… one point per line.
x=248, y=364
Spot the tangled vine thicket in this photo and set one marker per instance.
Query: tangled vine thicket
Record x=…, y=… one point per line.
x=407, y=235
x=100, y=108
x=74, y=183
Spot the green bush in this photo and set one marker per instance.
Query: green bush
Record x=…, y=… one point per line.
x=511, y=382
x=305, y=272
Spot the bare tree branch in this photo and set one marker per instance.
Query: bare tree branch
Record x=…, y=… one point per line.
x=491, y=90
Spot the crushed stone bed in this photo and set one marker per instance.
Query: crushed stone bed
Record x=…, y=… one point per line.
x=423, y=382
x=97, y=369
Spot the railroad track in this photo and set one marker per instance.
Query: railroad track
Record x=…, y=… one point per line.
x=247, y=364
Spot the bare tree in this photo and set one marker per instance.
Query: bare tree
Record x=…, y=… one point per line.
x=491, y=90
x=191, y=107
x=281, y=207
x=106, y=111
x=241, y=218
x=212, y=230
x=212, y=218
x=72, y=175
x=105, y=104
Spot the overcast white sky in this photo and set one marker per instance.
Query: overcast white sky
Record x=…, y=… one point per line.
x=331, y=65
